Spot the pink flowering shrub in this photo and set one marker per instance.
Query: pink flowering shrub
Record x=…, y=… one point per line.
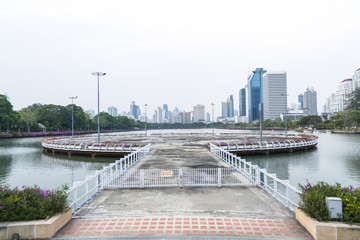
x=31, y=203
x=312, y=201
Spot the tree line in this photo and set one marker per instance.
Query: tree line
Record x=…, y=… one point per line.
x=50, y=117
x=58, y=118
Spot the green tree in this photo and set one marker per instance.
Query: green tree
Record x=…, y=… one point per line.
x=54, y=117
x=8, y=117
x=80, y=117
x=28, y=117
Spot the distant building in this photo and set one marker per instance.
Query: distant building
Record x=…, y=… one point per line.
x=159, y=115
x=199, y=113
x=301, y=100
x=185, y=117
x=356, y=80
x=242, y=102
x=91, y=113
x=310, y=102
x=224, y=109
x=228, y=107
x=254, y=94
x=275, y=94
x=166, y=111
x=208, y=118
x=112, y=111
x=135, y=110
x=230, y=103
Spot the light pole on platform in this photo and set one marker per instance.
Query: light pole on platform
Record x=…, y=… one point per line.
x=98, y=74
x=212, y=105
x=72, y=115
x=145, y=120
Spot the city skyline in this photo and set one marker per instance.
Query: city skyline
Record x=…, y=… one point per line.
x=153, y=55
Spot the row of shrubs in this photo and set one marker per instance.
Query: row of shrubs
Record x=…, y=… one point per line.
x=313, y=201
x=31, y=203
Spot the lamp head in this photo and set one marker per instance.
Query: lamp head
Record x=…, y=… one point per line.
x=98, y=73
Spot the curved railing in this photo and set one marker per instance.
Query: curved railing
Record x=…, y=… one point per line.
x=84, y=146
x=278, y=144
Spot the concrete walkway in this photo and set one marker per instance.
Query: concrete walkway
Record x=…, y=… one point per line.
x=242, y=212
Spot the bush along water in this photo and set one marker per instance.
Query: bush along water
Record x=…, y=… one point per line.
x=313, y=202
x=31, y=203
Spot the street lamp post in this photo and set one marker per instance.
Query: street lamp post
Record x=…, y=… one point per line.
x=212, y=105
x=260, y=109
x=98, y=74
x=145, y=120
x=72, y=115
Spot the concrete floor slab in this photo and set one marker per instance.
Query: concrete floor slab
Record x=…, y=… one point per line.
x=237, y=202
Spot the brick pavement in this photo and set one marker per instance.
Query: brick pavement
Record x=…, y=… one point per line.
x=182, y=226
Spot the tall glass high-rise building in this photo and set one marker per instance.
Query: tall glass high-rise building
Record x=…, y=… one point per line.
x=166, y=111
x=135, y=110
x=274, y=94
x=301, y=100
x=310, y=101
x=255, y=94
x=228, y=107
x=242, y=102
x=224, y=110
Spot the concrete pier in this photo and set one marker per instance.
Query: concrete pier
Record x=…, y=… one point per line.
x=247, y=204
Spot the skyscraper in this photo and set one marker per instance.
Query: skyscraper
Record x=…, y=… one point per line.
x=135, y=110
x=227, y=107
x=301, y=100
x=199, y=113
x=224, y=109
x=310, y=101
x=166, y=111
x=274, y=94
x=230, y=105
x=242, y=102
x=254, y=93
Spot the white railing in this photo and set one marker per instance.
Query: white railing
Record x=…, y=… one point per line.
x=268, y=145
x=82, y=192
x=187, y=177
x=281, y=190
x=93, y=147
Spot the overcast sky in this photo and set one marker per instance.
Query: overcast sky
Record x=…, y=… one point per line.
x=181, y=53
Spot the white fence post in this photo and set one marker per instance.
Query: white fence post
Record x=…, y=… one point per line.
x=75, y=198
x=142, y=180
x=287, y=193
x=87, y=188
x=180, y=177
x=219, y=177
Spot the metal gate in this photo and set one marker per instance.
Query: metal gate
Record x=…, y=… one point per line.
x=187, y=177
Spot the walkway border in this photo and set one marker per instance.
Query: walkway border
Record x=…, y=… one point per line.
x=82, y=192
x=281, y=190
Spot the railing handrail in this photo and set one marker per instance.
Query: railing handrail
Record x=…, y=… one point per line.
x=103, y=177
x=269, y=145
x=253, y=173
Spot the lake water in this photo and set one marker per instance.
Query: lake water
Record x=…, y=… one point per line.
x=336, y=159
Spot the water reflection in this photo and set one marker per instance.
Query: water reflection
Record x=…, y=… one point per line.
x=5, y=163
x=24, y=162
x=336, y=159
